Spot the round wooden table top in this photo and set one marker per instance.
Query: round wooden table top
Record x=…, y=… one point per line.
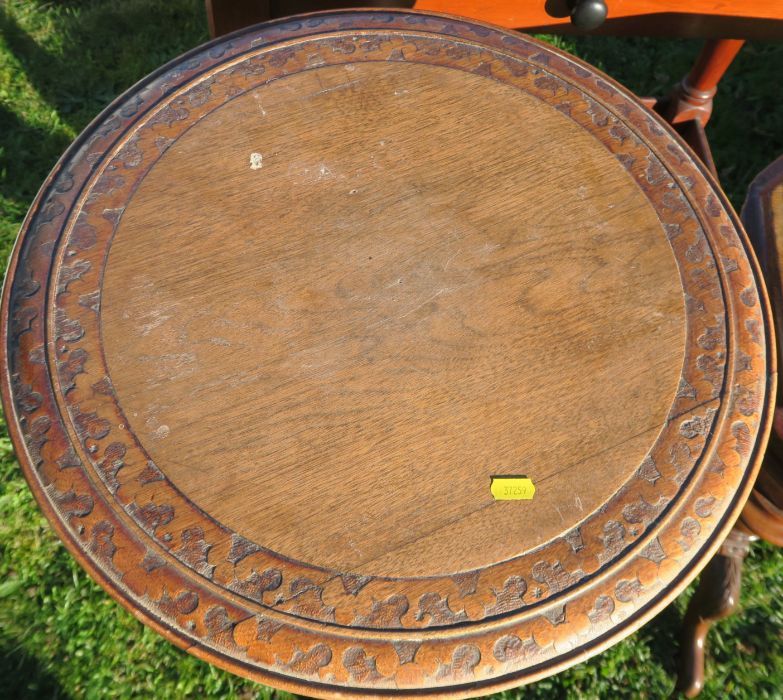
x=284, y=310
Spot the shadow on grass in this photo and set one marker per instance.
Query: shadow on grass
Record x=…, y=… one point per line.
x=90, y=52
x=101, y=50
x=24, y=679
x=27, y=153
x=662, y=636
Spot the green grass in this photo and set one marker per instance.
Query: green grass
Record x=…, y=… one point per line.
x=61, y=636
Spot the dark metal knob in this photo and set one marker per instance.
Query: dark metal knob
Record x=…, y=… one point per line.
x=587, y=14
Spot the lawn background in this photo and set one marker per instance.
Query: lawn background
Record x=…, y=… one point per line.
x=61, y=636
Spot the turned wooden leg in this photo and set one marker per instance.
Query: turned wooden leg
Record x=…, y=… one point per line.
x=716, y=597
x=689, y=106
x=692, y=98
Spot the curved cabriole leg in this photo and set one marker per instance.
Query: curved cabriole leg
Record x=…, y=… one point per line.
x=716, y=597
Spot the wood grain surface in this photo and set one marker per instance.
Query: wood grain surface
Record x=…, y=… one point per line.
x=378, y=320
x=285, y=308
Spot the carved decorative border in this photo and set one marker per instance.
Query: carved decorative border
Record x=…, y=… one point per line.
x=317, y=631
x=210, y=549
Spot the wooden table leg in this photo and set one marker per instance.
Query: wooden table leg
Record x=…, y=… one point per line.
x=716, y=597
x=692, y=98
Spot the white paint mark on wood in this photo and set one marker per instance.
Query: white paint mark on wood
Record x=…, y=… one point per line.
x=256, y=161
x=261, y=109
x=156, y=318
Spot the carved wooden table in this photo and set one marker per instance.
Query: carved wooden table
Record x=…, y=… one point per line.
x=286, y=307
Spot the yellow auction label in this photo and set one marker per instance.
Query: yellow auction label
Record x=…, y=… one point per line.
x=512, y=488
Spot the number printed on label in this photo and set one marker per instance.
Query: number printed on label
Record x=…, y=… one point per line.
x=512, y=488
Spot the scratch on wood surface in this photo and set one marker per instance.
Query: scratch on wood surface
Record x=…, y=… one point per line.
x=449, y=261
x=333, y=88
x=410, y=311
x=426, y=301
